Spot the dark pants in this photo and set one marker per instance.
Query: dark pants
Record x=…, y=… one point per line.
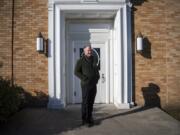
x=88, y=97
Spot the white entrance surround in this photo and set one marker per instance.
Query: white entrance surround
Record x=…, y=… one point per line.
x=122, y=64
x=99, y=33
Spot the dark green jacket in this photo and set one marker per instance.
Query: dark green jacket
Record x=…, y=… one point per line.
x=87, y=71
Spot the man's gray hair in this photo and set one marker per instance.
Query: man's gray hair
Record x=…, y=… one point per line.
x=87, y=45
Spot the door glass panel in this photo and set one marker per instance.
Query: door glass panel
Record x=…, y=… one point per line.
x=97, y=56
x=81, y=52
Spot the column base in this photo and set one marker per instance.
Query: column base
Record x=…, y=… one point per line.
x=123, y=105
x=55, y=104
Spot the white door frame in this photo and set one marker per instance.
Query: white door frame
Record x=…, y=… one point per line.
x=69, y=89
x=57, y=50
x=106, y=33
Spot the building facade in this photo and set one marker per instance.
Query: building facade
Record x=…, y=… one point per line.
x=111, y=26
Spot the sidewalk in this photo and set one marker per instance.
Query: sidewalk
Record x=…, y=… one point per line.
x=108, y=121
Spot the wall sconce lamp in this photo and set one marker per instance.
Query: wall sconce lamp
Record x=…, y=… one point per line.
x=41, y=44
x=139, y=43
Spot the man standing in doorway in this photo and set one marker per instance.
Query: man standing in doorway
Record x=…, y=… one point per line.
x=87, y=71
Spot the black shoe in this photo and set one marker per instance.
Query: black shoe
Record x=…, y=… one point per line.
x=83, y=122
x=90, y=124
x=91, y=121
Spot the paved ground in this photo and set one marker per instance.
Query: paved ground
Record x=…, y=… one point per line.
x=108, y=121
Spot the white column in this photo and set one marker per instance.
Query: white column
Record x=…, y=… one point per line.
x=117, y=59
x=127, y=50
x=129, y=41
x=123, y=59
x=62, y=59
x=54, y=60
x=125, y=44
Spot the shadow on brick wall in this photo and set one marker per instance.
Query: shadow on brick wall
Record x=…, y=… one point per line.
x=138, y=2
x=134, y=9
x=38, y=99
x=14, y=98
x=27, y=98
x=150, y=95
x=146, y=53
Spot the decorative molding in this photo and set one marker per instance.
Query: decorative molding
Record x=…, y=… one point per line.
x=56, y=59
x=50, y=2
x=50, y=7
x=89, y=1
x=123, y=105
x=55, y=104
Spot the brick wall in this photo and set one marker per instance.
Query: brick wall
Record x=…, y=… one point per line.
x=30, y=68
x=173, y=53
x=158, y=66
x=5, y=38
x=158, y=22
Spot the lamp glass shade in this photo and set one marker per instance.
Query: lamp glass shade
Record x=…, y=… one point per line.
x=139, y=43
x=39, y=46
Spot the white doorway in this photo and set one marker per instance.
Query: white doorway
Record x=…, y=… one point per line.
x=100, y=42
x=102, y=86
x=116, y=35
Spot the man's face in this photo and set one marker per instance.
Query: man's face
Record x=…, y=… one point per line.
x=88, y=51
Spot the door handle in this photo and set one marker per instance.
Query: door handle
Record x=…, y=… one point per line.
x=103, y=78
